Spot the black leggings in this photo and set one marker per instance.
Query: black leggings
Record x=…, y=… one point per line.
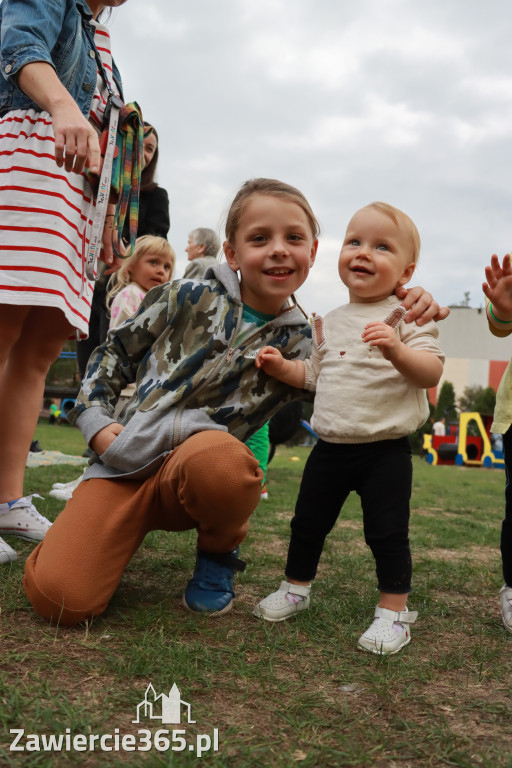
x=381, y=473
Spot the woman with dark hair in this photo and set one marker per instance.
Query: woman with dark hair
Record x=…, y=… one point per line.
x=154, y=200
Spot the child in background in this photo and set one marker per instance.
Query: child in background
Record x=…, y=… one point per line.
x=366, y=404
x=176, y=460
x=151, y=263
x=498, y=292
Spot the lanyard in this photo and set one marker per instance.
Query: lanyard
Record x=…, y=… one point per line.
x=112, y=110
x=102, y=196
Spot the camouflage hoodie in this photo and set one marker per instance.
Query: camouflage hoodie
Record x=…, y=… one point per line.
x=180, y=348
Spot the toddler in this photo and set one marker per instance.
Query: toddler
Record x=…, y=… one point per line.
x=370, y=378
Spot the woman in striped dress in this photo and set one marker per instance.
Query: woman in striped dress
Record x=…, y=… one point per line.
x=51, y=109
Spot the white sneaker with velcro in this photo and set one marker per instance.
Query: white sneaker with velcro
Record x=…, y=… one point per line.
x=389, y=631
x=288, y=601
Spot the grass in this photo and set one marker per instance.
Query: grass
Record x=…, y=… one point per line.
x=287, y=694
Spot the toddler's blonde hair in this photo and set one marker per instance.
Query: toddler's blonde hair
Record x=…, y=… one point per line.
x=403, y=222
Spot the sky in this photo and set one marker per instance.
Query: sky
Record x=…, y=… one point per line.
x=396, y=100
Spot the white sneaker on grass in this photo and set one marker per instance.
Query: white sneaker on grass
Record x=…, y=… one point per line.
x=288, y=601
x=506, y=606
x=7, y=553
x=389, y=632
x=23, y=520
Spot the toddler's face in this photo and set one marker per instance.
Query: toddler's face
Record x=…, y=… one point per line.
x=375, y=257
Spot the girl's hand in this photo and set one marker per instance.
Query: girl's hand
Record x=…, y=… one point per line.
x=270, y=359
x=421, y=305
x=105, y=437
x=381, y=335
x=76, y=141
x=498, y=287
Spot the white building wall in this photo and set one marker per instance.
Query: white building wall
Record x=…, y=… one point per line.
x=469, y=346
x=465, y=333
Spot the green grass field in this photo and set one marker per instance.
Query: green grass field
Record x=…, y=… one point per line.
x=295, y=693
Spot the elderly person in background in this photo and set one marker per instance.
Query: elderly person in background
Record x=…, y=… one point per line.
x=202, y=249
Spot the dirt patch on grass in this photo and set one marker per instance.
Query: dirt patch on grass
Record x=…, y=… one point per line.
x=488, y=555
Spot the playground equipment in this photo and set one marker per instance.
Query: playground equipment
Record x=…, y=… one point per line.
x=462, y=449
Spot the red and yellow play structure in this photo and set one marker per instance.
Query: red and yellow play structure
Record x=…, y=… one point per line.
x=462, y=449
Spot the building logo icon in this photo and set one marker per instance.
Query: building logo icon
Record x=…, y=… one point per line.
x=168, y=705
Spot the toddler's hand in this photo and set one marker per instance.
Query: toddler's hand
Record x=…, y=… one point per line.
x=105, y=437
x=381, y=335
x=498, y=287
x=270, y=359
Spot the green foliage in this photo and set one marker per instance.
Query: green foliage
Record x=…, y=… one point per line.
x=445, y=405
x=64, y=372
x=478, y=399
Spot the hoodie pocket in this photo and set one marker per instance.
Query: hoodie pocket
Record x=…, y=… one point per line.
x=147, y=435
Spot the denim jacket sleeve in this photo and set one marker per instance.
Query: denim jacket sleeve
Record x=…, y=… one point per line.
x=51, y=31
x=30, y=30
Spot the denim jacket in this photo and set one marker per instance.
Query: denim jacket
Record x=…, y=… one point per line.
x=50, y=31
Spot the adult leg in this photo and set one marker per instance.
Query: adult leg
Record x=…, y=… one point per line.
x=506, y=527
x=506, y=536
x=31, y=338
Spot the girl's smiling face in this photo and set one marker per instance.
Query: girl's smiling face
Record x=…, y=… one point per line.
x=274, y=249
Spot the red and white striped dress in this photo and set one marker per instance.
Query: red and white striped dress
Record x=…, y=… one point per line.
x=46, y=212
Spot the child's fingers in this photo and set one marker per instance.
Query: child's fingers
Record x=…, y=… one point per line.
x=490, y=276
x=375, y=324
x=382, y=334
x=264, y=354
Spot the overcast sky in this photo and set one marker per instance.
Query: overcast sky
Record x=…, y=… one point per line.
x=404, y=101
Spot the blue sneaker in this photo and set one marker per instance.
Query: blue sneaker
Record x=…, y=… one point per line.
x=210, y=590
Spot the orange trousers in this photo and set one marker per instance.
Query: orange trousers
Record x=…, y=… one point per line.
x=211, y=482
